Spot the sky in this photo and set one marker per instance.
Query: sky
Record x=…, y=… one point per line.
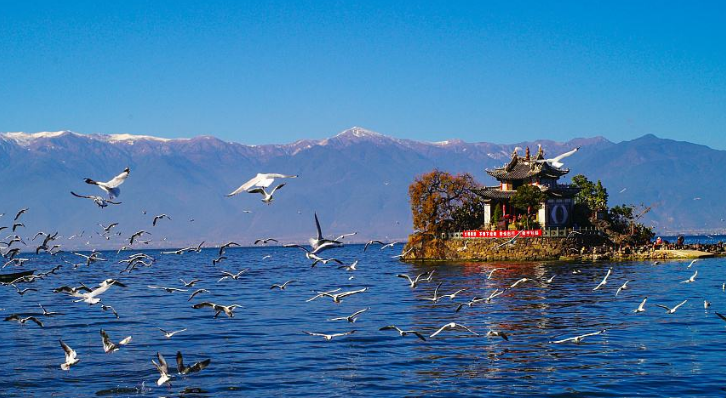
x=274, y=72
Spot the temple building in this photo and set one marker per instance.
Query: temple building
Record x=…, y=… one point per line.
x=555, y=211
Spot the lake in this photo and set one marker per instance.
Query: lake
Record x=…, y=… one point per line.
x=263, y=351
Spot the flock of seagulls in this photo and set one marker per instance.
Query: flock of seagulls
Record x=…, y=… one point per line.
x=318, y=252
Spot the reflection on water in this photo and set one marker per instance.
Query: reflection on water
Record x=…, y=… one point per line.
x=262, y=350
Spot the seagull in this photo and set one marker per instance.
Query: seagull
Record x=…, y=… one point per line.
x=231, y=275
x=171, y=334
x=350, y=318
x=402, y=255
x=159, y=217
x=721, y=316
x=692, y=262
x=519, y=282
x=108, y=229
x=556, y=161
x=281, y=287
x=184, y=370
x=263, y=180
x=109, y=308
x=163, y=369
x=226, y=246
x=338, y=296
x=23, y=291
x=692, y=278
x=477, y=300
x=17, y=318
x=403, y=333
x=621, y=288
x=109, y=346
x=329, y=337
x=71, y=356
x=641, y=307
x=191, y=283
x=551, y=278
x=196, y=292
x=227, y=309
x=351, y=267
x=604, y=280
x=578, y=339
x=49, y=313
x=20, y=213
x=452, y=326
x=218, y=260
x=436, y=297
x=706, y=304
x=453, y=295
x=111, y=187
x=266, y=197
x=136, y=235
x=90, y=297
x=319, y=243
x=265, y=240
x=425, y=276
x=671, y=310
x=494, y=333
x=168, y=289
x=321, y=294
x=267, y=256
x=489, y=276
x=99, y=201
x=311, y=255
x=372, y=242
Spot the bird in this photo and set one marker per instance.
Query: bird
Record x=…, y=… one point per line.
x=477, y=300
x=137, y=235
x=424, y=276
x=578, y=339
x=191, y=283
x=452, y=326
x=402, y=255
x=320, y=294
x=109, y=346
x=111, y=187
x=495, y=333
x=265, y=240
x=319, y=243
x=518, y=282
x=263, y=180
x=71, y=356
x=18, y=319
x=452, y=296
x=184, y=370
x=551, y=278
x=227, y=309
x=49, y=313
x=170, y=334
x=109, y=308
x=90, y=297
x=282, y=286
x=98, y=200
x=641, y=307
x=721, y=316
x=350, y=318
x=372, y=242
x=329, y=337
x=692, y=262
x=692, y=278
x=338, y=296
x=108, y=228
x=226, y=246
x=163, y=369
x=436, y=297
x=706, y=304
x=621, y=288
x=351, y=267
x=671, y=310
x=556, y=162
x=267, y=197
x=489, y=276
x=604, y=280
x=23, y=291
x=311, y=255
x=168, y=289
x=159, y=217
x=403, y=333
x=196, y=292
x=231, y=275
x=20, y=213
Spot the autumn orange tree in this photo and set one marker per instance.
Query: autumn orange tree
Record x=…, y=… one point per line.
x=442, y=202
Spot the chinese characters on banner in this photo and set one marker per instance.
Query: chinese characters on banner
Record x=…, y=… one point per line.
x=502, y=234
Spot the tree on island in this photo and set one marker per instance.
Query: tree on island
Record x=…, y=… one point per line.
x=528, y=199
x=442, y=202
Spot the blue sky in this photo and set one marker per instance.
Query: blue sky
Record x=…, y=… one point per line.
x=274, y=72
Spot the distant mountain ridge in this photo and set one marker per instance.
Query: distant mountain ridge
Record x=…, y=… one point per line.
x=356, y=180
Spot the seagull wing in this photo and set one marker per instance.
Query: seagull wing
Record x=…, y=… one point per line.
x=118, y=180
x=317, y=227
x=81, y=196
x=721, y=316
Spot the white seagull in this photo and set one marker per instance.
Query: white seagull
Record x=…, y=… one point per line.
x=692, y=278
x=671, y=310
x=452, y=326
x=71, y=356
x=111, y=187
x=266, y=196
x=163, y=369
x=329, y=337
x=111, y=347
x=641, y=307
x=170, y=334
x=621, y=288
x=556, y=162
x=350, y=318
x=263, y=180
x=577, y=339
x=604, y=280
x=424, y=276
x=403, y=333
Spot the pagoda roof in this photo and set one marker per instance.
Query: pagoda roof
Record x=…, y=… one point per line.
x=520, y=168
x=559, y=191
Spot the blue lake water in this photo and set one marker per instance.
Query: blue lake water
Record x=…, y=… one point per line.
x=263, y=351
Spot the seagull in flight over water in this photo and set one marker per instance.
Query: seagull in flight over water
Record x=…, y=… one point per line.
x=578, y=339
x=671, y=310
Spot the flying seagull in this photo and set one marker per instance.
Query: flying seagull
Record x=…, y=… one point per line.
x=282, y=286
x=109, y=346
x=184, y=370
x=671, y=310
x=403, y=333
x=170, y=334
x=329, y=337
x=692, y=278
x=556, y=162
x=163, y=369
x=425, y=276
x=263, y=180
x=99, y=201
x=159, y=217
x=578, y=339
x=350, y=318
x=604, y=280
x=452, y=326
x=266, y=196
x=71, y=356
x=623, y=287
x=111, y=187
x=641, y=307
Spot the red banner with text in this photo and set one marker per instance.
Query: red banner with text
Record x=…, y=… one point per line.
x=531, y=233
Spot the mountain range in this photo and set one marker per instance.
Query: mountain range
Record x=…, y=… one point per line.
x=356, y=181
